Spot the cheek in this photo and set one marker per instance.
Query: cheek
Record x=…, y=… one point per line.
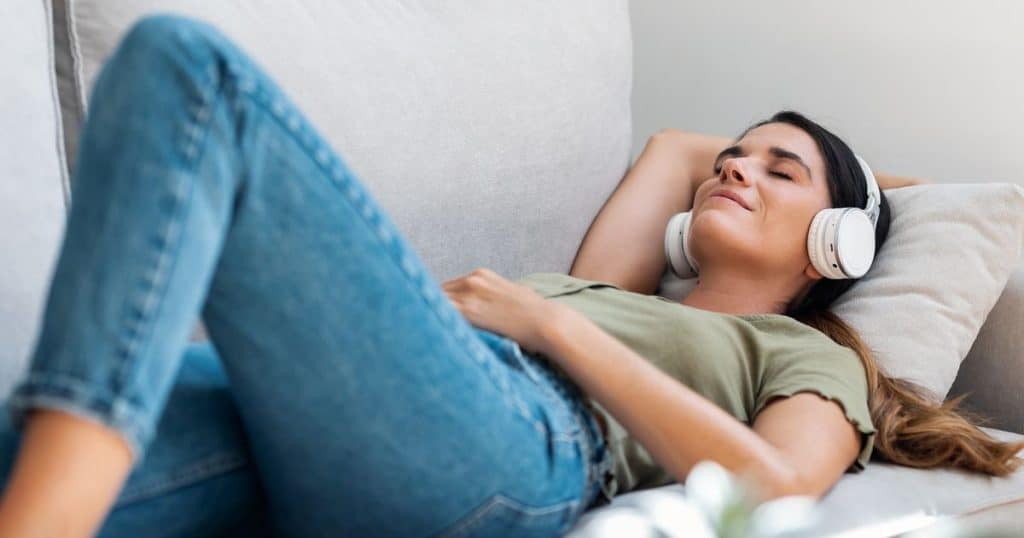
x=787, y=236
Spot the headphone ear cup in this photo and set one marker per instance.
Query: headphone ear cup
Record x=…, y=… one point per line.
x=676, y=249
x=854, y=239
x=818, y=244
x=841, y=242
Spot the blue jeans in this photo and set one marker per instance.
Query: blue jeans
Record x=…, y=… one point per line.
x=341, y=393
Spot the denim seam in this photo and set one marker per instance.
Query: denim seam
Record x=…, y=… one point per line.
x=277, y=106
x=147, y=300
x=602, y=464
x=586, y=455
x=589, y=436
x=206, y=468
x=605, y=468
x=581, y=437
x=501, y=499
x=150, y=297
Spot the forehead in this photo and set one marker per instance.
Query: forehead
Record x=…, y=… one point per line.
x=787, y=137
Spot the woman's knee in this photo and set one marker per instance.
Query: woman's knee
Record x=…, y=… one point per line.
x=165, y=40
x=163, y=33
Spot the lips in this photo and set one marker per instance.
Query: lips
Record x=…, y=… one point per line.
x=725, y=193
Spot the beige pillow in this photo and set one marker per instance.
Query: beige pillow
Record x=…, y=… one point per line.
x=950, y=251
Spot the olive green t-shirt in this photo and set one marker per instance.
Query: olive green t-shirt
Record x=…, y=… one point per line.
x=737, y=361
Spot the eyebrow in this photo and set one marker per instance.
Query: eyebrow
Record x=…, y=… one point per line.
x=737, y=151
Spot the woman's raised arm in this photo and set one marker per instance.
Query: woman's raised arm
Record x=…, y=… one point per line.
x=624, y=244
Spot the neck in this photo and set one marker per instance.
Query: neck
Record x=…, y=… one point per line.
x=737, y=294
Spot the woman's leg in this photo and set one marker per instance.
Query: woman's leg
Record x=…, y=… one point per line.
x=370, y=404
x=198, y=478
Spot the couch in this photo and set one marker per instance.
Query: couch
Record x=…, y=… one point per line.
x=491, y=131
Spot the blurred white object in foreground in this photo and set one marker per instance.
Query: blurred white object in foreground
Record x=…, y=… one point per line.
x=716, y=505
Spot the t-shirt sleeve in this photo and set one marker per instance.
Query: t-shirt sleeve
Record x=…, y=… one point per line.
x=836, y=373
x=551, y=285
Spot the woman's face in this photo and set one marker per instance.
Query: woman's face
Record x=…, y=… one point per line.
x=779, y=175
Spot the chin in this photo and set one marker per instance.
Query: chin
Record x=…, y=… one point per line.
x=731, y=240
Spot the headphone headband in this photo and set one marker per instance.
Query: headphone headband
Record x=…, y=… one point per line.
x=873, y=206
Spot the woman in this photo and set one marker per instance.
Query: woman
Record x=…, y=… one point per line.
x=364, y=397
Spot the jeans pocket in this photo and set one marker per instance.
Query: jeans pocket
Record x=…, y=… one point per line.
x=502, y=515
x=555, y=398
x=500, y=346
x=547, y=396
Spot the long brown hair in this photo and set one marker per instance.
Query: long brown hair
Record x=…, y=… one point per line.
x=912, y=429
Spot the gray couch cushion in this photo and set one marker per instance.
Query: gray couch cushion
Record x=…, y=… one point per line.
x=879, y=494
x=490, y=131
x=993, y=372
x=32, y=187
x=885, y=490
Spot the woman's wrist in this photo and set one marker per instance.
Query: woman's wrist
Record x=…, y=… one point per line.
x=558, y=318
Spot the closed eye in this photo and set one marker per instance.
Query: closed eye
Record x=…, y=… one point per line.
x=718, y=170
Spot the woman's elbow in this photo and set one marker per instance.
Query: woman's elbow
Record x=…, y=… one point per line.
x=667, y=134
x=787, y=485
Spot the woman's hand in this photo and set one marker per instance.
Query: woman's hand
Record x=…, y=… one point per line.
x=491, y=302
x=886, y=181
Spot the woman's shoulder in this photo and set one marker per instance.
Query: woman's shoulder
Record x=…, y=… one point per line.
x=809, y=354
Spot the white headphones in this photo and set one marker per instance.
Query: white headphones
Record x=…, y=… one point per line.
x=840, y=242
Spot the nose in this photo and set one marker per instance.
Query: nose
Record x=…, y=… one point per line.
x=735, y=169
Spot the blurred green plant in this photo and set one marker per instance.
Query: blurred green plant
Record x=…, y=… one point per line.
x=718, y=504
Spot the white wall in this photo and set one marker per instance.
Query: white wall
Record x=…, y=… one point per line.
x=933, y=89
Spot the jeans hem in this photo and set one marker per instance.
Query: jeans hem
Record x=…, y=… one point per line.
x=77, y=398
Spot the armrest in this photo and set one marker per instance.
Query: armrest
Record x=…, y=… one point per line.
x=993, y=371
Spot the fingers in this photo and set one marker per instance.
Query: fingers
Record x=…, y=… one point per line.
x=479, y=275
